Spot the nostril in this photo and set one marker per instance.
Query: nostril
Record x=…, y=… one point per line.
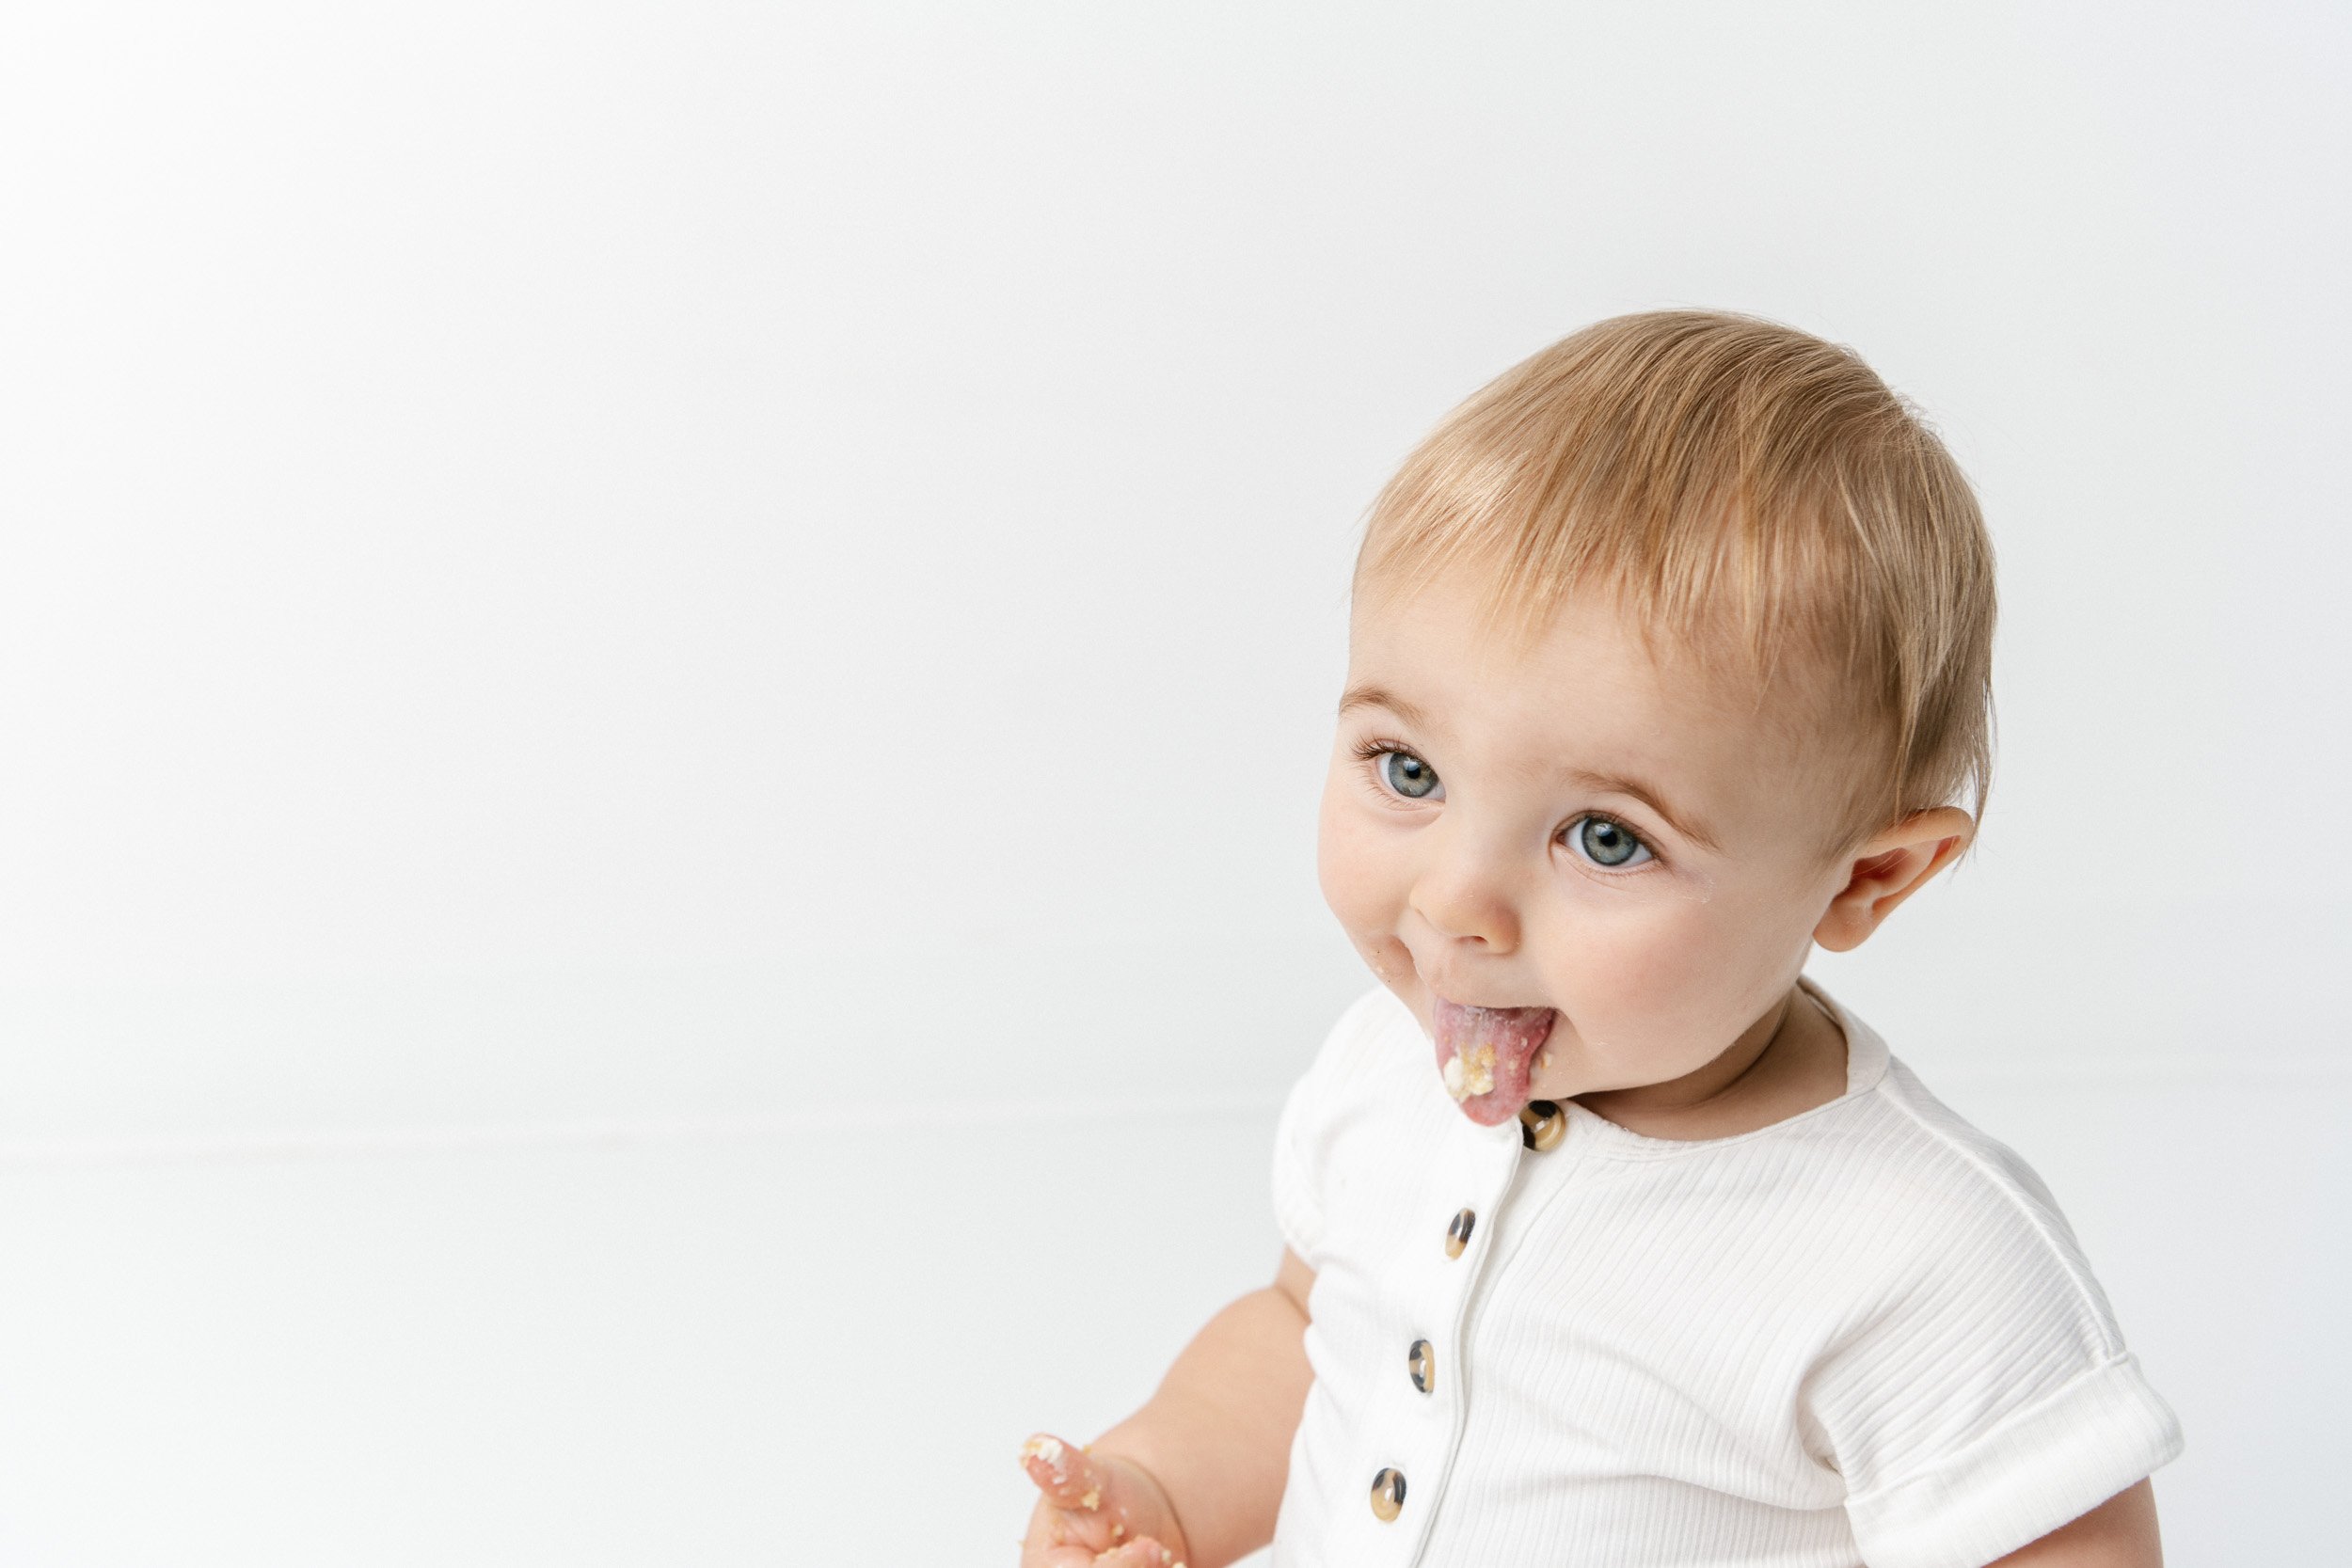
x=1468, y=916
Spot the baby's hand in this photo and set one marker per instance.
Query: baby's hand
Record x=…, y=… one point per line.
x=1096, y=1512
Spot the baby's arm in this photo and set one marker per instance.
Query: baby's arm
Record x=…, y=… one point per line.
x=1199, y=1470
x=2118, y=1533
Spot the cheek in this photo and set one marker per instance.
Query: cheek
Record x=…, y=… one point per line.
x=1352, y=865
x=1672, y=980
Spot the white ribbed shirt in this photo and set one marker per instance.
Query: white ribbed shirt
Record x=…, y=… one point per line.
x=1864, y=1335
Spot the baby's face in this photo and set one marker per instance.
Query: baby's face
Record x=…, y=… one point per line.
x=1569, y=827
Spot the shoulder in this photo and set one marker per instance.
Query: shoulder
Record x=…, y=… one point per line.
x=1973, y=1217
x=1367, y=1060
x=1926, y=1199
x=1360, y=1093
x=1375, y=1030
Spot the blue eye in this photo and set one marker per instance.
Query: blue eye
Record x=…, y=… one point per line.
x=1408, y=776
x=1606, y=844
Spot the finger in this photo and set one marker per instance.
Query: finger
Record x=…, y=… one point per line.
x=1059, y=1540
x=1142, y=1552
x=1068, y=1477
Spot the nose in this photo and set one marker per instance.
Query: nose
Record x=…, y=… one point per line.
x=1465, y=895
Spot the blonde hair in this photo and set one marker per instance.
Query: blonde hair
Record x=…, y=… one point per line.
x=1739, y=485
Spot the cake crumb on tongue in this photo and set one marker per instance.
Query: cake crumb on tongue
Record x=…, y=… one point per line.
x=1484, y=1055
x=1475, y=1073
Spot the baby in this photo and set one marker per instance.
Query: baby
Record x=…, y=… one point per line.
x=1612, y=1237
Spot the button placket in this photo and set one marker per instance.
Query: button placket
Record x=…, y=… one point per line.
x=1422, y=1415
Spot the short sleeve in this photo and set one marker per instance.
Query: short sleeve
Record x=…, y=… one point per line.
x=1988, y=1399
x=1322, y=1099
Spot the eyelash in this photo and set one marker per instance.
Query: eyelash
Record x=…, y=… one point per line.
x=1626, y=827
x=1368, y=754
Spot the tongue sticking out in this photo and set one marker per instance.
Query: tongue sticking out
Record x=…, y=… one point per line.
x=1484, y=1052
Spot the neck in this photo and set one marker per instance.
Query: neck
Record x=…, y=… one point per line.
x=1791, y=1059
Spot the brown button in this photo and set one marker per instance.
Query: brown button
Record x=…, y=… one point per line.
x=1457, y=1234
x=1388, y=1493
x=1421, y=1365
x=1542, y=1124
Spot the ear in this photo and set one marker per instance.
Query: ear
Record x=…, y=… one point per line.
x=1889, y=868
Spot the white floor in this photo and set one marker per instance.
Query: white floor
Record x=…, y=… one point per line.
x=823, y=1347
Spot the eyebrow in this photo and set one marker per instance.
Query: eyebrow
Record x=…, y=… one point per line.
x=1620, y=784
x=1367, y=695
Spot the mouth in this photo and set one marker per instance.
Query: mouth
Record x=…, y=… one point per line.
x=1487, y=1055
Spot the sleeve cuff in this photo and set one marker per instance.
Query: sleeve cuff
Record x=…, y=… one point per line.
x=2043, y=1467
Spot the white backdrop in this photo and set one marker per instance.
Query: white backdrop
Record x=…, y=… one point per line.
x=720, y=576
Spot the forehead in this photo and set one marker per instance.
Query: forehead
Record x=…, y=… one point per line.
x=1585, y=692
